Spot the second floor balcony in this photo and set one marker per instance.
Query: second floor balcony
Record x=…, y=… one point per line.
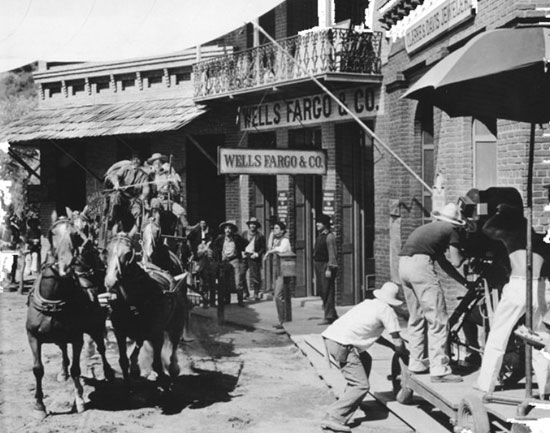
x=328, y=53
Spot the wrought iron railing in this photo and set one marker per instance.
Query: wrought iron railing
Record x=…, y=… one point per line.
x=313, y=52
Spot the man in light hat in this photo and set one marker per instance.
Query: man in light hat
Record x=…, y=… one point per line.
x=347, y=341
x=423, y=292
x=252, y=255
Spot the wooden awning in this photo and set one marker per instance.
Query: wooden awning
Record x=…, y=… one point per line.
x=103, y=120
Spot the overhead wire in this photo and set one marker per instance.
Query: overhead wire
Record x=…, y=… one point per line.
x=21, y=21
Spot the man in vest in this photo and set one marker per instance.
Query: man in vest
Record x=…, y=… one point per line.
x=326, y=266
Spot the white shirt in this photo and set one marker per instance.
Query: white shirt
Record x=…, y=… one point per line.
x=281, y=245
x=363, y=324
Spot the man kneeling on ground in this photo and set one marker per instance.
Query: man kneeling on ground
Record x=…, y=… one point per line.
x=347, y=341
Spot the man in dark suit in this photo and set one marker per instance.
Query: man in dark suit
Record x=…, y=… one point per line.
x=228, y=250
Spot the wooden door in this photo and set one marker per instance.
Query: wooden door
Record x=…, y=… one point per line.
x=355, y=167
x=307, y=204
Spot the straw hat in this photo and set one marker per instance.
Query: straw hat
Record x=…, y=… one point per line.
x=230, y=223
x=156, y=156
x=254, y=220
x=450, y=213
x=388, y=294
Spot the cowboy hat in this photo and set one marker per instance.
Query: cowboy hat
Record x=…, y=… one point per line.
x=323, y=219
x=450, y=213
x=155, y=156
x=388, y=294
x=231, y=223
x=254, y=220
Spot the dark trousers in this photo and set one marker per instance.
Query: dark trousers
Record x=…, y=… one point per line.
x=326, y=289
x=254, y=268
x=230, y=279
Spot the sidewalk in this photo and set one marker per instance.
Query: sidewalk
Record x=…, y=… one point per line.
x=382, y=411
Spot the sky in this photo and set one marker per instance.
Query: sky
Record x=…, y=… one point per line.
x=105, y=30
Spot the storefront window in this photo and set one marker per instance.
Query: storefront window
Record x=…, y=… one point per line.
x=485, y=155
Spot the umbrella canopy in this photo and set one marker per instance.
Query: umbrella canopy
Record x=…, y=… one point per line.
x=498, y=74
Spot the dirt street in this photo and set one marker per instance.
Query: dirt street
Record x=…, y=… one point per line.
x=232, y=379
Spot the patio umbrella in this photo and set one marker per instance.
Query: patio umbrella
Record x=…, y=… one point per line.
x=498, y=74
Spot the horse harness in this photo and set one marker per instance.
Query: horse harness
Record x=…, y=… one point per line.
x=41, y=304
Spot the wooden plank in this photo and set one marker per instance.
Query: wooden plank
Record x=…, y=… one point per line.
x=414, y=417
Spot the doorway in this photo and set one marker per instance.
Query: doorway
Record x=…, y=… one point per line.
x=205, y=187
x=307, y=192
x=263, y=188
x=70, y=188
x=355, y=170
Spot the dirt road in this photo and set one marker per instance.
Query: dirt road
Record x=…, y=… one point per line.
x=232, y=380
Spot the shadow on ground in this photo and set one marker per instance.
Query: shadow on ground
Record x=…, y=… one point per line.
x=198, y=390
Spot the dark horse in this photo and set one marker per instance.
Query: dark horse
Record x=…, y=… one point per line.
x=148, y=304
x=59, y=312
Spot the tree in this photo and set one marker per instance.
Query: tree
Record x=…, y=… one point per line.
x=18, y=96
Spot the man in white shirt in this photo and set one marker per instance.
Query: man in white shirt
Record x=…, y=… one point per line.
x=347, y=341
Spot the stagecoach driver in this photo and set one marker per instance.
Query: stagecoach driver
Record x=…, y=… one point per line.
x=424, y=295
x=347, y=341
x=168, y=186
x=130, y=178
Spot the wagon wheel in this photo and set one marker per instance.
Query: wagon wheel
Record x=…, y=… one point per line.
x=402, y=394
x=472, y=416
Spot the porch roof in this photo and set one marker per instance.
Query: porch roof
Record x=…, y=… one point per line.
x=103, y=119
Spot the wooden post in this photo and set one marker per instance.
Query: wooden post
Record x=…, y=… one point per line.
x=22, y=274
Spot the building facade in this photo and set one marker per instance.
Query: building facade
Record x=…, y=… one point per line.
x=271, y=82
x=91, y=115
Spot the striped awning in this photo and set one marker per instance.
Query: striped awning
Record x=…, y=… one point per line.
x=103, y=120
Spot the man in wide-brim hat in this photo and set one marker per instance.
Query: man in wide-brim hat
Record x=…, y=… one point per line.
x=347, y=341
x=228, y=250
x=230, y=223
x=423, y=292
x=253, y=255
x=157, y=157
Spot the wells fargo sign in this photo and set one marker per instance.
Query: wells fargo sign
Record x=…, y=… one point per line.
x=306, y=110
x=442, y=18
x=271, y=161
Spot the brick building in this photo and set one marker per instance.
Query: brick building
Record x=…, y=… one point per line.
x=280, y=107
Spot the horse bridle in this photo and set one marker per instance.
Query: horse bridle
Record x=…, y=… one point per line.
x=154, y=239
x=65, y=237
x=118, y=266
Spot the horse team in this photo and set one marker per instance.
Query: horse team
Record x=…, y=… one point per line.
x=77, y=288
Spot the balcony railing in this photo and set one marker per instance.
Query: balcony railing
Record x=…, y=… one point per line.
x=318, y=51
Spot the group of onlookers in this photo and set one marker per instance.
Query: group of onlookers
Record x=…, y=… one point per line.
x=237, y=260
